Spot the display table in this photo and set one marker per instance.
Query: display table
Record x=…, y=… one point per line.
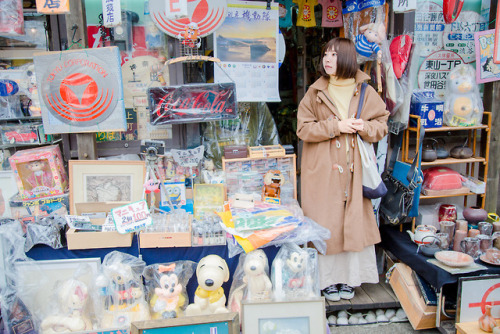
x=151, y=256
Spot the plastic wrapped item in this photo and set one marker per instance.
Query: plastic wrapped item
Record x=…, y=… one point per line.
x=11, y=17
x=393, y=93
x=120, y=299
x=10, y=106
x=166, y=288
x=400, y=53
x=251, y=280
x=294, y=273
x=30, y=89
x=463, y=105
x=46, y=231
x=71, y=312
x=365, y=24
x=254, y=127
x=442, y=178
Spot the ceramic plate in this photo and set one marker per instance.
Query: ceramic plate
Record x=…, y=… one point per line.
x=454, y=259
x=483, y=258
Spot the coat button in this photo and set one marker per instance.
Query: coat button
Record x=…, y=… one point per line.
x=337, y=144
x=341, y=170
x=330, y=118
x=332, y=135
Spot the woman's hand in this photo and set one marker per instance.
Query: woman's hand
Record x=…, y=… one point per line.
x=351, y=125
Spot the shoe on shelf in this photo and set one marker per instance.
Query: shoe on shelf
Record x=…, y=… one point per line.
x=346, y=291
x=331, y=293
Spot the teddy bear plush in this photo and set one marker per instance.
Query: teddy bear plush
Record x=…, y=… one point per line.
x=273, y=180
x=463, y=105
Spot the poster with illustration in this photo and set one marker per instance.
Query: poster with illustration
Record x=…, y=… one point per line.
x=246, y=44
x=486, y=69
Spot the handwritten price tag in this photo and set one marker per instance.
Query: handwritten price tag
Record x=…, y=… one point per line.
x=131, y=217
x=188, y=158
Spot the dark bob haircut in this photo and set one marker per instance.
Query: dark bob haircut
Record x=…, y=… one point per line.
x=347, y=66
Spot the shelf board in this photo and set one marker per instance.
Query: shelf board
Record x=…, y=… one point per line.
x=456, y=128
x=422, y=196
x=449, y=161
x=16, y=145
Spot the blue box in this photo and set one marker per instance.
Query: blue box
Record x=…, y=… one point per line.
x=429, y=108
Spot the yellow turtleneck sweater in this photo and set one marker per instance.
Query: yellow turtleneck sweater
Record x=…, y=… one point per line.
x=341, y=91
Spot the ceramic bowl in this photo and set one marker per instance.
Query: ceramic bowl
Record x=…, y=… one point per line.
x=454, y=259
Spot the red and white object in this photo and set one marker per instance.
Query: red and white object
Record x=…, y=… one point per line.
x=11, y=17
x=452, y=9
x=400, y=53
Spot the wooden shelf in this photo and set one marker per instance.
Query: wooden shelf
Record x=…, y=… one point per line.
x=422, y=196
x=455, y=128
x=449, y=161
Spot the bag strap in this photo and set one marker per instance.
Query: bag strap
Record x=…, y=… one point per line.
x=361, y=98
x=395, y=152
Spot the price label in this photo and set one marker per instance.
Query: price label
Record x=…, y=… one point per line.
x=131, y=217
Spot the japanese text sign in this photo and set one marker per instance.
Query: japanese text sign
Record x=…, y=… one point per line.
x=188, y=158
x=192, y=103
x=131, y=217
x=111, y=13
x=52, y=6
x=402, y=6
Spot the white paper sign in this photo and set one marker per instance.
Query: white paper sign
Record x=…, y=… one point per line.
x=176, y=9
x=131, y=217
x=188, y=158
x=111, y=13
x=403, y=6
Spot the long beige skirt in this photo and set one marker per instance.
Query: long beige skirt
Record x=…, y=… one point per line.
x=351, y=268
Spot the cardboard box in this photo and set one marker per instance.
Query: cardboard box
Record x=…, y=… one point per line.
x=429, y=108
x=421, y=316
x=39, y=207
x=166, y=239
x=91, y=240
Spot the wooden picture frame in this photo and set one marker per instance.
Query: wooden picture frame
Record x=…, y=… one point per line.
x=474, y=293
x=105, y=181
x=305, y=316
x=223, y=323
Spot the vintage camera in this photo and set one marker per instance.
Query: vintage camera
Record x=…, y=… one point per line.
x=152, y=147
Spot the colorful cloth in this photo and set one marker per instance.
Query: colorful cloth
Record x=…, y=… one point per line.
x=331, y=14
x=306, y=17
x=285, y=13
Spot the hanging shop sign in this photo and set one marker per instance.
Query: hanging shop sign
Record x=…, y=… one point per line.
x=111, y=13
x=52, y=6
x=246, y=44
x=486, y=69
x=81, y=90
x=429, y=27
x=192, y=103
x=434, y=71
x=403, y=6
x=188, y=158
x=496, y=51
x=207, y=15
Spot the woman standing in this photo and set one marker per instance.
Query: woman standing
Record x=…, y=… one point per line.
x=331, y=171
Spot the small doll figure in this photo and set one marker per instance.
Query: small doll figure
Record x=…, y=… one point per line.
x=256, y=269
x=166, y=284
x=71, y=317
x=39, y=177
x=273, y=180
x=368, y=41
x=463, y=105
x=190, y=36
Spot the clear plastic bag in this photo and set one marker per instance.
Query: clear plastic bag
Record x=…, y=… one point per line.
x=11, y=17
x=295, y=273
x=120, y=298
x=463, y=105
x=46, y=231
x=365, y=24
x=166, y=288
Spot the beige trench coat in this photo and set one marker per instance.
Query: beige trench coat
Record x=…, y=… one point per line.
x=331, y=177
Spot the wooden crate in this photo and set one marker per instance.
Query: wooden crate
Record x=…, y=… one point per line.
x=270, y=151
x=421, y=316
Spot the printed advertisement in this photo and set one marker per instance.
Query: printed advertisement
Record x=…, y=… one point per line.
x=246, y=44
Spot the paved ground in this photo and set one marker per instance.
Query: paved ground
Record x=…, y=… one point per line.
x=388, y=328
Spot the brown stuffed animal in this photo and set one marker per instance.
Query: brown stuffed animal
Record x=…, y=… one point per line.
x=273, y=180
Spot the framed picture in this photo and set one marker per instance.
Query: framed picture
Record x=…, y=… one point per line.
x=496, y=51
x=304, y=317
x=105, y=181
x=474, y=293
x=224, y=323
x=37, y=280
x=486, y=69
